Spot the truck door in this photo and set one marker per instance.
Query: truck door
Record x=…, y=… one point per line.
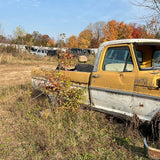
x=112, y=84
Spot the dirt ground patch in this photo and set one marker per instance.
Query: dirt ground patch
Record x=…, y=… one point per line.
x=12, y=74
x=16, y=74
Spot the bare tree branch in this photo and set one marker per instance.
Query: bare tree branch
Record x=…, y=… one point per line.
x=153, y=5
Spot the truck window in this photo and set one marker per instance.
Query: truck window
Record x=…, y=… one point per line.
x=118, y=59
x=148, y=56
x=156, y=59
x=139, y=56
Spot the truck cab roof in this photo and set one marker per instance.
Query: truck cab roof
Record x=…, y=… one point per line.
x=128, y=41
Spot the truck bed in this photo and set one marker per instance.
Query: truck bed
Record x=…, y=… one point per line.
x=83, y=68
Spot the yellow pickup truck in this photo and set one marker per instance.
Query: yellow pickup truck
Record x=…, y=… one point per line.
x=125, y=79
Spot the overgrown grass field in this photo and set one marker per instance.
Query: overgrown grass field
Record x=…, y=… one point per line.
x=34, y=129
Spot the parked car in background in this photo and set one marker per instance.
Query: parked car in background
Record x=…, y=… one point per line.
x=52, y=52
x=33, y=50
x=88, y=52
x=39, y=52
x=76, y=51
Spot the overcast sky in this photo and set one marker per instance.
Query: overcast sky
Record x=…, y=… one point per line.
x=54, y=17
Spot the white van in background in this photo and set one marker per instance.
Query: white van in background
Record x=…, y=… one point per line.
x=39, y=52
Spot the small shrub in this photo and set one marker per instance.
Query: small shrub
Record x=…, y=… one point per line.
x=66, y=96
x=59, y=87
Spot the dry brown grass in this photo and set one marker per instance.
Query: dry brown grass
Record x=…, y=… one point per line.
x=25, y=58
x=6, y=58
x=16, y=69
x=34, y=129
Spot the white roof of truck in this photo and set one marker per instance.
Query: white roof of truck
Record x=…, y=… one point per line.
x=124, y=41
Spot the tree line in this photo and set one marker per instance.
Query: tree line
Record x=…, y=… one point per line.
x=21, y=37
x=100, y=32
x=90, y=37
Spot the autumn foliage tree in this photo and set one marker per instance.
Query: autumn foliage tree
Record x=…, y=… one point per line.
x=45, y=40
x=28, y=40
x=110, y=31
x=97, y=33
x=117, y=30
x=42, y=40
x=51, y=43
x=140, y=32
x=84, y=39
x=72, y=42
x=137, y=31
x=19, y=34
x=124, y=31
x=91, y=37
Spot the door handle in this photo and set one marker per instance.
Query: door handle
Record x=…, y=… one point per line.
x=96, y=76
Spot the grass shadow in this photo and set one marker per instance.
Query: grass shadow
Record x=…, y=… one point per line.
x=136, y=150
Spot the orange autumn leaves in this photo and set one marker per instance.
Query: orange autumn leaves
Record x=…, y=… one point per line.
x=83, y=40
x=116, y=30
x=112, y=30
x=72, y=42
x=51, y=43
x=119, y=30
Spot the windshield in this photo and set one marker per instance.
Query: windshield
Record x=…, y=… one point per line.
x=148, y=56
